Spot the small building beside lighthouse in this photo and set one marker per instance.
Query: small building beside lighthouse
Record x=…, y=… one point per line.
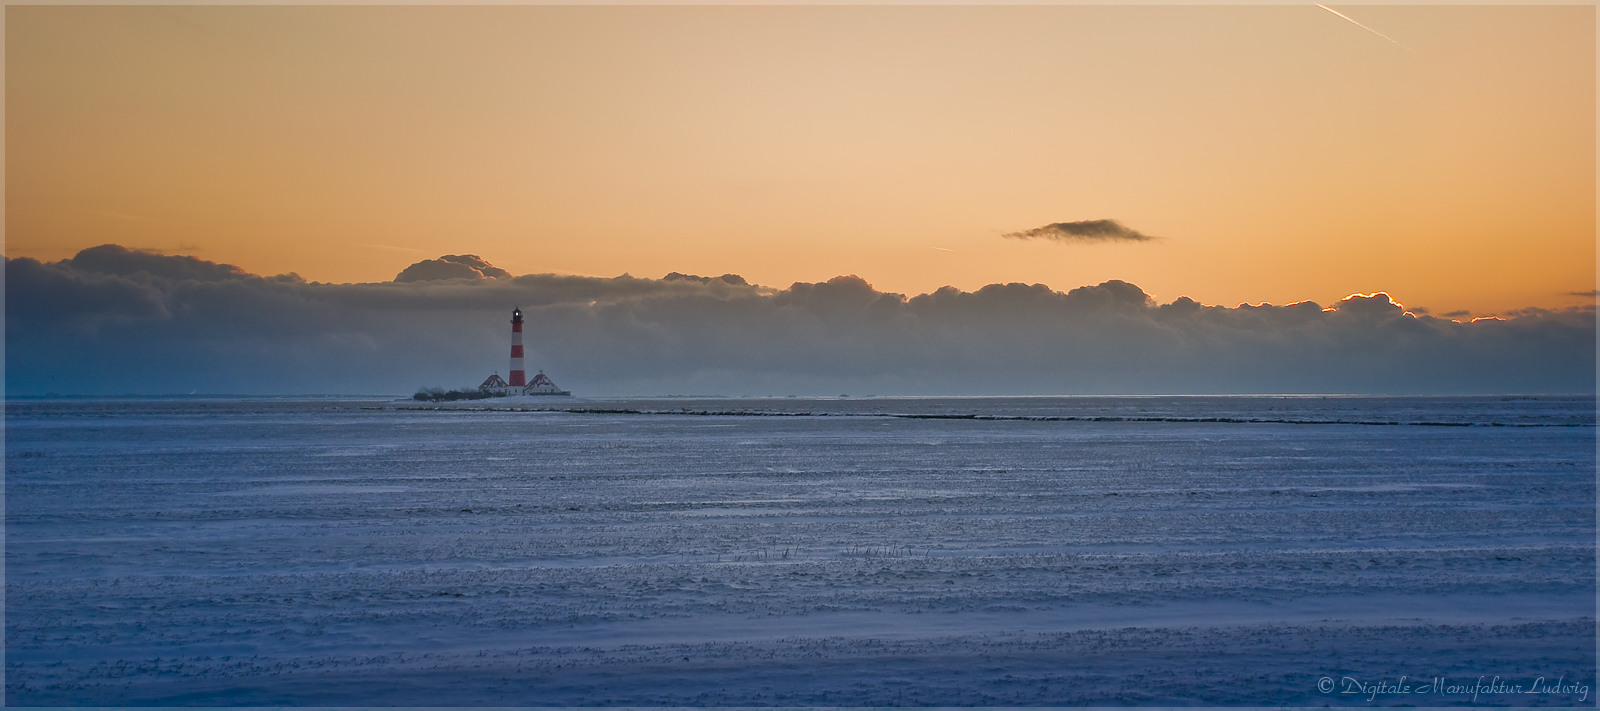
x=494, y=384
x=542, y=385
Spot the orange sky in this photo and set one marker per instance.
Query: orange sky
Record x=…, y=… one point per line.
x=1280, y=152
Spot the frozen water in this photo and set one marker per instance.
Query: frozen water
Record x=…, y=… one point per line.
x=1016, y=551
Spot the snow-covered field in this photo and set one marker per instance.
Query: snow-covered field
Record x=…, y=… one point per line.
x=1021, y=551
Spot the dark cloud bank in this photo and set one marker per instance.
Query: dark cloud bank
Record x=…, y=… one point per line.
x=115, y=321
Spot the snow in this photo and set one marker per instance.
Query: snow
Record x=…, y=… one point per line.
x=966, y=551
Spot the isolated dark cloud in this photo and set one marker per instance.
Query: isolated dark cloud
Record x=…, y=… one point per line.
x=451, y=266
x=1084, y=231
x=96, y=325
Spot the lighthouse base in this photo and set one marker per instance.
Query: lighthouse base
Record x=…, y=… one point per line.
x=541, y=385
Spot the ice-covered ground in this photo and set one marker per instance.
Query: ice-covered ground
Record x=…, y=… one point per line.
x=1018, y=551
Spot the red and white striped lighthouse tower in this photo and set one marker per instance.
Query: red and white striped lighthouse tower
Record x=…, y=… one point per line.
x=519, y=377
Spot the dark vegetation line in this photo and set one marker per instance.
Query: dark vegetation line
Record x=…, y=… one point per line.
x=1008, y=418
x=442, y=395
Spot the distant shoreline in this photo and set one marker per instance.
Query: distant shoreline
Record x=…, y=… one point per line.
x=406, y=398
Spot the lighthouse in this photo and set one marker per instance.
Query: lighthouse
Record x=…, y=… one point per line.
x=519, y=383
x=519, y=376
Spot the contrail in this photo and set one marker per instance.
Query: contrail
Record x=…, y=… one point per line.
x=1369, y=29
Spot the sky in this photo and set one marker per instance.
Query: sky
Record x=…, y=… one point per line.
x=909, y=200
x=1275, y=153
